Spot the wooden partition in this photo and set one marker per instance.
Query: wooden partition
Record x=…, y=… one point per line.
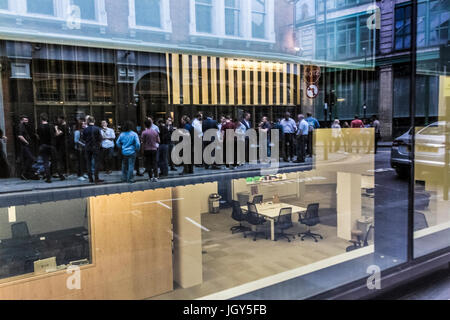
x=131, y=253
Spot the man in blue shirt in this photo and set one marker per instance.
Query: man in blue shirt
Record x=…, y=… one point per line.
x=289, y=130
x=302, y=136
x=313, y=125
x=129, y=143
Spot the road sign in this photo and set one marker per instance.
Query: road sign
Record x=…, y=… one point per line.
x=311, y=74
x=312, y=91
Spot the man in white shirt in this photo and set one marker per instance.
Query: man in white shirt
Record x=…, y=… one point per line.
x=197, y=124
x=289, y=130
x=198, y=129
x=108, y=136
x=302, y=138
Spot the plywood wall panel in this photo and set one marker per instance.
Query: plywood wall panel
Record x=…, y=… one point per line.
x=132, y=253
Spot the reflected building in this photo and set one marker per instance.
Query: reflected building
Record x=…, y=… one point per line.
x=375, y=39
x=74, y=65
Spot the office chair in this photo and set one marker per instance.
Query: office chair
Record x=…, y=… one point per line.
x=357, y=242
x=420, y=221
x=283, y=222
x=310, y=218
x=238, y=216
x=256, y=220
x=258, y=199
x=20, y=230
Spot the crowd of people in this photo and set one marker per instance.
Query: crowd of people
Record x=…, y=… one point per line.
x=44, y=152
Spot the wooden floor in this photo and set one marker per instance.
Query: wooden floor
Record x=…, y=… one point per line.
x=232, y=260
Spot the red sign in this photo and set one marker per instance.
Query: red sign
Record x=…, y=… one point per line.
x=311, y=74
x=312, y=91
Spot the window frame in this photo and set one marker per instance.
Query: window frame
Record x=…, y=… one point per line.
x=8, y=9
x=403, y=35
x=332, y=29
x=427, y=26
x=213, y=13
x=100, y=13
x=166, y=22
x=264, y=14
x=61, y=12
x=234, y=9
x=245, y=20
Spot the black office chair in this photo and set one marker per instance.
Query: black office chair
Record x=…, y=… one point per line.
x=283, y=222
x=256, y=220
x=258, y=199
x=357, y=242
x=20, y=230
x=238, y=216
x=310, y=218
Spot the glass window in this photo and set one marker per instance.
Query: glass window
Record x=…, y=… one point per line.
x=365, y=38
x=76, y=90
x=353, y=192
x=346, y=38
x=439, y=21
x=42, y=238
x=203, y=15
x=259, y=19
x=403, y=28
x=87, y=8
x=232, y=17
x=148, y=13
x=421, y=23
x=4, y=4
x=45, y=7
x=48, y=90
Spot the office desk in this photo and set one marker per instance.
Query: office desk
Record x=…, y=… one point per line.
x=271, y=211
x=18, y=255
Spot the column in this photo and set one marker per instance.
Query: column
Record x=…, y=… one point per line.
x=348, y=203
x=386, y=101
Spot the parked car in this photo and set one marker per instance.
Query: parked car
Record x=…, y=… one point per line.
x=430, y=153
x=400, y=153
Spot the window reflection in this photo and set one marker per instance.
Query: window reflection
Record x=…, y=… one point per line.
x=203, y=15
x=41, y=239
x=148, y=13
x=45, y=7
x=87, y=8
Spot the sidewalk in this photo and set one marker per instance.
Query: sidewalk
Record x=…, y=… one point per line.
x=13, y=185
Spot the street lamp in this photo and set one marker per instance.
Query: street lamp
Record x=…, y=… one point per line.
x=364, y=110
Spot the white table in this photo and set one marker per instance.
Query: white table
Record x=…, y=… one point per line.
x=271, y=211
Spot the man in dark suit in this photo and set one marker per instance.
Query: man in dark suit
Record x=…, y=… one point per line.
x=246, y=121
x=246, y=125
x=207, y=124
x=92, y=137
